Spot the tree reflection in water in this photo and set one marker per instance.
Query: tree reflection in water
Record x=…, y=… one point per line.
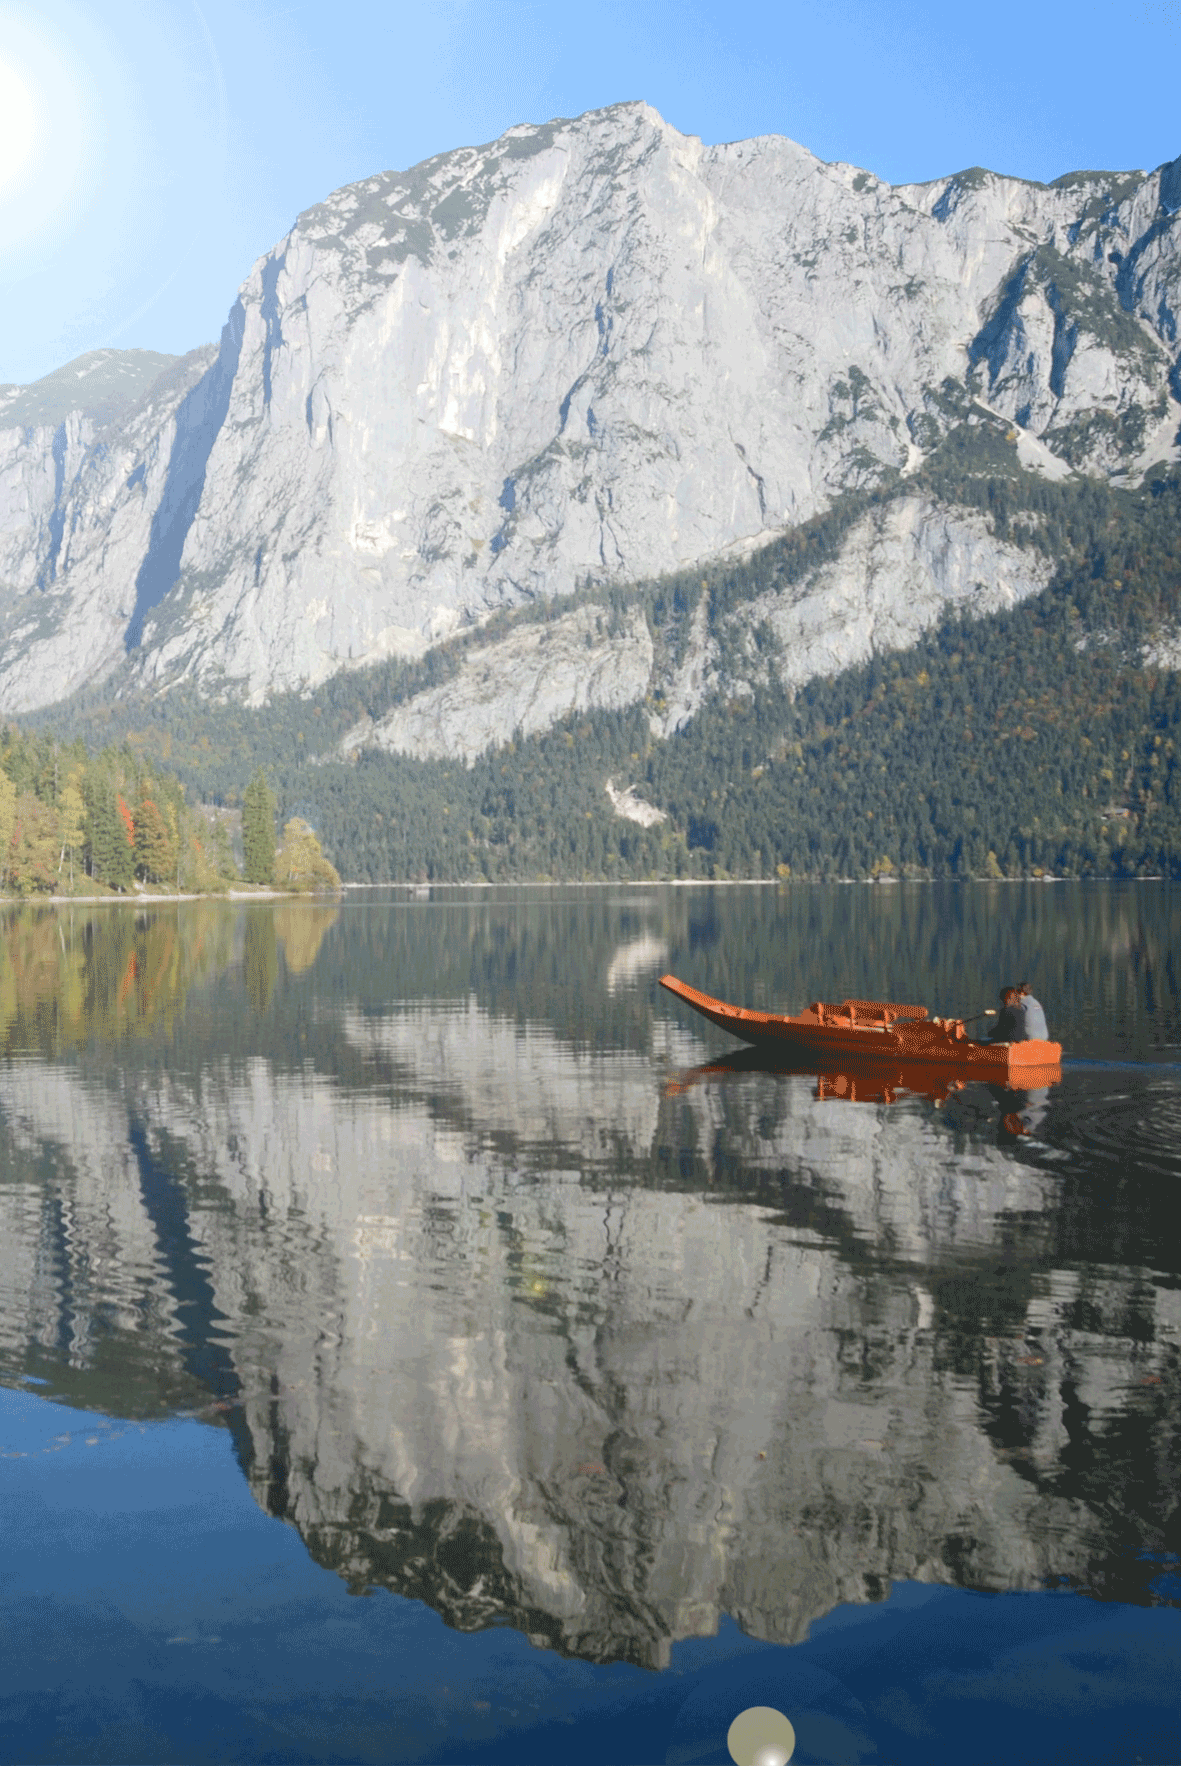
x=505, y=1321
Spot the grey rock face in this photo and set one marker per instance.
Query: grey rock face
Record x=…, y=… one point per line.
x=900, y=567
x=84, y=509
x=595, y=348
x=519, y=685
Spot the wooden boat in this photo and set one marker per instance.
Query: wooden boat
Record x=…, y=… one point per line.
x=874, y=1030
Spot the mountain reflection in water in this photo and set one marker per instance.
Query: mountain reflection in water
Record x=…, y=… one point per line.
x=884, y=1081
x=510, y=1311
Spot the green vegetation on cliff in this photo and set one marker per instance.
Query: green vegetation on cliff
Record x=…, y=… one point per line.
x=1043, y=739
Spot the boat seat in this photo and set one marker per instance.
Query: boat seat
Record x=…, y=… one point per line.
x=867, y=1011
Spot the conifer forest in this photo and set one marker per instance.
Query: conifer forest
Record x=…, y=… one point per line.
x=1036, y=741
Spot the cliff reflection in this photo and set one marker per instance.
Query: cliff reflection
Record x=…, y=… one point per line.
x=508, y=1328
x=1021, y=1110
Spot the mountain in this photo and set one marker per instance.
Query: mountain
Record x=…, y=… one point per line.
x=1039, y=738
x=97, y=387
x=591, y=354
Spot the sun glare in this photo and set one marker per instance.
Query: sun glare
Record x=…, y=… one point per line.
x=18, y=130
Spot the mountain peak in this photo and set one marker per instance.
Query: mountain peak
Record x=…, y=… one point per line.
x=100, y=385
x=593, y=350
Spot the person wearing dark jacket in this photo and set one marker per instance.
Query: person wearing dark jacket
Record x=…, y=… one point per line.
x=1010, y=1020
x=1035, y=1018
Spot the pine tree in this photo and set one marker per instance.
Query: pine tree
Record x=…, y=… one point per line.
x=111, y=857
x=155, y=849
x=258, y=830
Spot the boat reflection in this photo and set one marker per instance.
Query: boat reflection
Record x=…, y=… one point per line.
x=1022, y=1110
x=879, y=1082
x=498, y=1327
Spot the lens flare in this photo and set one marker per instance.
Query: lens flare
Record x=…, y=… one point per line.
x=18, y=129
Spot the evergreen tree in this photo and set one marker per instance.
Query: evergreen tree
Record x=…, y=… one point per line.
x=258, y=830
x=108, y=845
x=155, y=849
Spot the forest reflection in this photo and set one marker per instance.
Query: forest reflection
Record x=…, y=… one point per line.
x=519, y=1301
x=75, y=975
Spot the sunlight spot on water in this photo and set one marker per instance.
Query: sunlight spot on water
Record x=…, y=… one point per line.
x=761, y=1736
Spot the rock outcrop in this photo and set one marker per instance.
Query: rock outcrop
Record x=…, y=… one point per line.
x=520, y=685
x=899, y=569
x=591, y=349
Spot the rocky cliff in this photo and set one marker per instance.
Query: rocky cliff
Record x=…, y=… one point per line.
x=595, y=349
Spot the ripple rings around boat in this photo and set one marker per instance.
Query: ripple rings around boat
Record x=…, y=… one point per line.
x=1129, y=1118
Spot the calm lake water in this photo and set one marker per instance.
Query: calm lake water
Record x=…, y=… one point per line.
x=416, y=1343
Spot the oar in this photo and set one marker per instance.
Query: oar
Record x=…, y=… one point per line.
x=988, y=1012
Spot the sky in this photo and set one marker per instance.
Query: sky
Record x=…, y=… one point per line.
x=152, y=150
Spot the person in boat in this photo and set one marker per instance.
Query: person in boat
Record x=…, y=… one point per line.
x=1010, y=1020
x=1034, y=1016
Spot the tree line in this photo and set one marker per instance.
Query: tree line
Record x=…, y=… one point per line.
x=1043, y=739
x=72, y=821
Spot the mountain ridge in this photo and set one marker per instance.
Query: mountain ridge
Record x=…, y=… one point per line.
x=1041, y=737
x=109, y=381
x=356, y=476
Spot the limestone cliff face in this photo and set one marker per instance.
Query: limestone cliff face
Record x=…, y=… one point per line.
x=594, y=348
x=91, y=515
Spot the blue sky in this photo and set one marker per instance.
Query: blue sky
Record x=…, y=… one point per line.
x=150, y=150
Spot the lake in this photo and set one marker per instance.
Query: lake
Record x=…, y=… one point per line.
x=418, y=1343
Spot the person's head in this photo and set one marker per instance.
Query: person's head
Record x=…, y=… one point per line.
x=1023, y=987
x=1009, y=996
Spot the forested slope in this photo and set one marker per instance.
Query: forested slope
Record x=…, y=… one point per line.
x=1042, y=739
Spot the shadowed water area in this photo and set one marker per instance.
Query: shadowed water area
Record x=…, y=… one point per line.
x=418, y=1246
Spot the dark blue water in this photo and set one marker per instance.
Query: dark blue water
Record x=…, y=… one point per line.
x=416, y=1343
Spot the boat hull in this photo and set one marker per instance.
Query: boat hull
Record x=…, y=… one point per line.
x=874, y=1030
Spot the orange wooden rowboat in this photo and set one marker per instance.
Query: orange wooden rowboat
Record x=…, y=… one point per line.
x=874, y=1030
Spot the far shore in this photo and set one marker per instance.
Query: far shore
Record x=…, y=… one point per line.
x=144, y=899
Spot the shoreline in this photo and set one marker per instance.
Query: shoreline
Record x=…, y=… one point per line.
x=137, y=900
x=421, y=891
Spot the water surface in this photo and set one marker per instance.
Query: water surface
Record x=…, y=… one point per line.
x=419, y=1247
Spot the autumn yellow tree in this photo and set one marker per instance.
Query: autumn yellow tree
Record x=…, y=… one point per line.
x=7, y=822
x=32, y=853
x=299, y=863
x=71, y=814
x=155, y=850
